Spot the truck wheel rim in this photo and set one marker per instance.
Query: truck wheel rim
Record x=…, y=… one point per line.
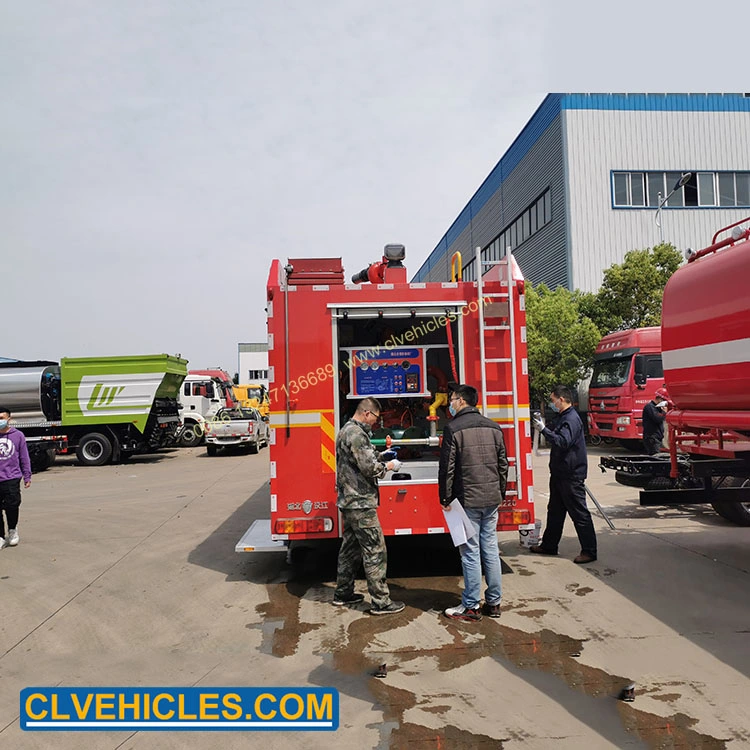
x=93, y=450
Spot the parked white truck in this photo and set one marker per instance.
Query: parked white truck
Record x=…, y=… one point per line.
x=236, y=428
x=203, y=394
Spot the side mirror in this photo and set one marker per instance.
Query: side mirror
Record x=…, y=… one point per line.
x=266, y=419
x=640, y=379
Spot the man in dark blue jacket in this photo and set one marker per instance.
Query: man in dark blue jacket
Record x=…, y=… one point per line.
x=568, y=467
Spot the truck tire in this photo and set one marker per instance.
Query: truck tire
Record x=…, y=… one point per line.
x=211, y=449
x=94, y=449
x=190, y=436
x=254, y=447
x=738, y=513
x=42, y=460
x=632, y=480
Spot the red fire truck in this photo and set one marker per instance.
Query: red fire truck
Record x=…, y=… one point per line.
x=705, y=334
x=332, y=344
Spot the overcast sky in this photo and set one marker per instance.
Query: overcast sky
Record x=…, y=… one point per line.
x=156, y=156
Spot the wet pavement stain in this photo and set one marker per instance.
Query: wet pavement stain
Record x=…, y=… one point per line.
x=522, y=603
x=436, y=709
x=532, y=612
x=414, y=736
x=583, y=591
x=667, y=732
x=282, y=611
x=552, y=657
x=667, y=697
x=606, y=572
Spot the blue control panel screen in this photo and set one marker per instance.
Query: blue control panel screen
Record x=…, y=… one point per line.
x=391, y=371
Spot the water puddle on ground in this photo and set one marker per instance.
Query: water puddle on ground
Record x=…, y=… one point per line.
x=548, y=661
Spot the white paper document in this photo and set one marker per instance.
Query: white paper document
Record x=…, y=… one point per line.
x=459, y=525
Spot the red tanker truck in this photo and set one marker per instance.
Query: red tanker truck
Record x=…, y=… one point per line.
x=705, y=334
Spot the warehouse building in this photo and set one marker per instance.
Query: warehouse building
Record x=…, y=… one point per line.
x=592, y=176
x=252, y=363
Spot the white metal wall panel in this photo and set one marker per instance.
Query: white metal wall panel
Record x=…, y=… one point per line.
x=601, y=141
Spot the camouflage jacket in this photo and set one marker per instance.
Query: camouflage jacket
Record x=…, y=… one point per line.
x=358, y=467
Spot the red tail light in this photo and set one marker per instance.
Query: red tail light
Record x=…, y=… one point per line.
x=302, y=525
x=508, y=517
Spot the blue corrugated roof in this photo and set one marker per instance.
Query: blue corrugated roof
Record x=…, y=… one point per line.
x=660, y=102
x=545, y=114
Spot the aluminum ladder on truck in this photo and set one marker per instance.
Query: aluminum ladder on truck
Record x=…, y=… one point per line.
x=501, y=330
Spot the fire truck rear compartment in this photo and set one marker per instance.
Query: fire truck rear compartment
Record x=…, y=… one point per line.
x=403, y=360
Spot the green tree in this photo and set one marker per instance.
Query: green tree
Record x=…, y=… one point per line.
x=631, y=293
x=561, y=340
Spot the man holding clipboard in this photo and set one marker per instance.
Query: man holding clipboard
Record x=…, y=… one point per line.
x=474, y=470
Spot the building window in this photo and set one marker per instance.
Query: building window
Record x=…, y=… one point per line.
x=655, y=181
x=629, y=189
x=706, y=192
x=742, y=188
x=703, y=189
x=726, y=189
x=637, y=192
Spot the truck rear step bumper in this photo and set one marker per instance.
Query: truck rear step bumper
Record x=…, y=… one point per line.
x=258, y=539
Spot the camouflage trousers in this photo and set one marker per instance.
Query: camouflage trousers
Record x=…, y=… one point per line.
x=363, y=542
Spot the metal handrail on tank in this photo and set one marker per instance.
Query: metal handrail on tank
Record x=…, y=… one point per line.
x=712, y=248
x=729, y=226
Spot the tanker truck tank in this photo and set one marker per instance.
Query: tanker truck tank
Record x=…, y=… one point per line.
x=705, y=336
x=31, y=390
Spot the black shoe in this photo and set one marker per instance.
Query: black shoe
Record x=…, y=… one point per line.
x=584, y=558
x=340, y=601
x=539, y=550
x=492, y=610
x=389, y=609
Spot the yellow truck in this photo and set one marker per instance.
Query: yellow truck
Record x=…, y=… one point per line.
x=253, y=396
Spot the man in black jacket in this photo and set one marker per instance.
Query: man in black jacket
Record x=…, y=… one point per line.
x=474, y=470
x=568, y=467
x=653, y=422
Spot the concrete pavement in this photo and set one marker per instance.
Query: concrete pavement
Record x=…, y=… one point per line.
x=127, y=575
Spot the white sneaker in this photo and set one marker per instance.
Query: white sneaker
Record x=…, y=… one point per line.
x=2, y=542
x=463, y=613
x=13, y=538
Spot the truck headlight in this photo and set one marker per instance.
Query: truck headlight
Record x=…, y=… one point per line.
x=623, y=420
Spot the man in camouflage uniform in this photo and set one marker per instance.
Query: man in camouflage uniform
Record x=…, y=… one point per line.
x=358, y=468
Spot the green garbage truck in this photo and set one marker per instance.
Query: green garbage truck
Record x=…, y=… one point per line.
x=104, y=408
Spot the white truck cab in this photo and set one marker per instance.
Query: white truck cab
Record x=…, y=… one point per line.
x=201, y=399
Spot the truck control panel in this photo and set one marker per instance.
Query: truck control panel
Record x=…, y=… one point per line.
x=387, y=373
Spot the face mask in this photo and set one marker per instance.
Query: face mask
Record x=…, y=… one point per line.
x=3, y=424
x=553, y=406
x=452, y=410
